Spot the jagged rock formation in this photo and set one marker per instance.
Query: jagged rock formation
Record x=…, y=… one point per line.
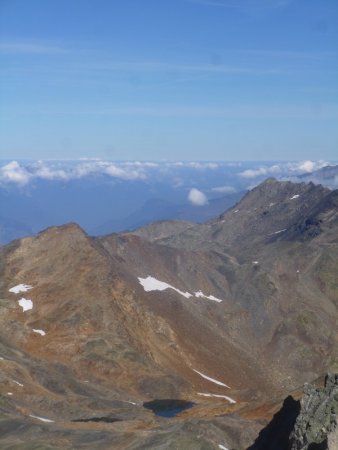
x=242, y=308
x=317, y=421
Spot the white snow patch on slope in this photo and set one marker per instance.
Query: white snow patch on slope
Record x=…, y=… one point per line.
x=25, y=304
x=9, y=393
x=294, y=197
x=128, y=401
x=230, y=400
x=211, y=379
x=280, y=231
x=16, y=382
x=43, y=333
x=41, y=418
x=2, y=359
x=20, y=288
x=209, y=297
x=222, y=447
x=152, y=284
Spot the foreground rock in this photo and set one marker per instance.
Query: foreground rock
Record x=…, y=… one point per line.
x=308, y=424
x=316, y=424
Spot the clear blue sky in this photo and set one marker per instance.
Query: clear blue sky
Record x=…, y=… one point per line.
x=169, y=79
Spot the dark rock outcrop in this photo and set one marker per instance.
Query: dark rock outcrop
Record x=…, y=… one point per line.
x=317, y=418
x=275, y=436
x=308, y=424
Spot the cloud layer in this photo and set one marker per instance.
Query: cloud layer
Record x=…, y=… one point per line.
x=283, y=169
x=23, y=173
x=213, y=177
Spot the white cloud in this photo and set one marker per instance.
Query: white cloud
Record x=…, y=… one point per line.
x=202, y=165
x=46, y=173
x=130, y=172
x=21, y=175
x=30, y=48
x=118, y=172
x=13, y=172
x=224, y=189
x=308, y=166
x=197, y=197
x=253, y=173
x=284, y=169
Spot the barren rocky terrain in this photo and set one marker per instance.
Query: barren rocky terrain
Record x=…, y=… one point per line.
x=232, y=315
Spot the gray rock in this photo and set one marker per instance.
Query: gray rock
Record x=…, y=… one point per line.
x=317, y=419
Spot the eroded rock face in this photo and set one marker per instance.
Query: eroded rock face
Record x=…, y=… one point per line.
x=316, y=424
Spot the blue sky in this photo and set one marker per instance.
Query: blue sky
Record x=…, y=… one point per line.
x=169, y=79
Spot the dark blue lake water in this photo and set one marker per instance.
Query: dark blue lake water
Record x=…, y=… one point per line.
x=168, y=407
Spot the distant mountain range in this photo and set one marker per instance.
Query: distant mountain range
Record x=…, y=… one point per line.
x=227, y=317
x=104, y=197
x=328, y=176
x=159, y=209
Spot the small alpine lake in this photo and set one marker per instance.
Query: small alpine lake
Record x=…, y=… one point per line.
x=168, y=407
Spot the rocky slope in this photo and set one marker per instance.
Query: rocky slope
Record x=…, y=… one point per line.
x=231, y=315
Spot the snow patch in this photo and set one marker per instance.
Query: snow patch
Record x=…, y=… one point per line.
x=43, y=333
x=25, y=304
x=9, y=393
x=230, y=400
x=2, y=359
x=255, y=262
x=294, y=197
x=152, y=284
x=16, y=382
x=280, y=231
x=211, y=379
x=128, y=401
x=41, y=418
x=20, y=288
x=209, y=297
x=222, y=447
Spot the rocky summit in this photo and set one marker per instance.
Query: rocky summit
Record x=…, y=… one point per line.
x=174, y=336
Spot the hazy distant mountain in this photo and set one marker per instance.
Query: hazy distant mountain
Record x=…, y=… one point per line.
x=159, y=209
x=327, y=176
x=232, y=315
x=105, y=196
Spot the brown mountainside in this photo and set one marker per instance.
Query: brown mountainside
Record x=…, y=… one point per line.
x=247, y=315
